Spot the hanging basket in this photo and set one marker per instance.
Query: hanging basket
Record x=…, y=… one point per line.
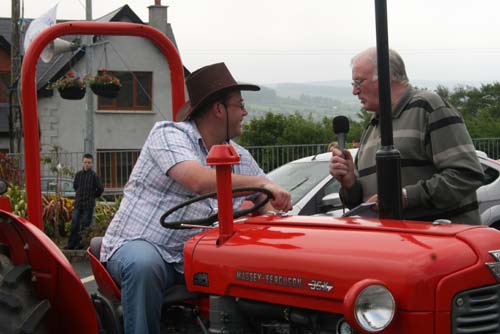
x=72, y=92
x=109, y=91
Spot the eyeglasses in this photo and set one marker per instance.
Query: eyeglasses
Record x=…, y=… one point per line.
x=240, y=105
x=357, y=83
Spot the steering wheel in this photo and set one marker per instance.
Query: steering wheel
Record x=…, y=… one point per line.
x=213, y=218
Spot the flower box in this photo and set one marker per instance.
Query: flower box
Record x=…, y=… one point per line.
x=104, y=84
x=70, y=87
x=72, y=92
x=108, y=90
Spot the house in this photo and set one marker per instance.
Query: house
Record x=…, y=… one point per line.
x=121, y=125
x=4, y=83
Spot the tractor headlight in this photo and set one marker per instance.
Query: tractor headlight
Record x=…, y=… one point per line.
x=374, y=308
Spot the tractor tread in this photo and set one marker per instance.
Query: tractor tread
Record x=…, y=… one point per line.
x=32, y=321
x=9, y=300
x=21, y=310
x=17, y=274
x=4, y=249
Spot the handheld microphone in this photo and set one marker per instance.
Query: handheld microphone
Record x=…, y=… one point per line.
x=340, y=128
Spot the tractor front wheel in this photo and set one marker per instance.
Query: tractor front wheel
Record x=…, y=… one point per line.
x=20, y=310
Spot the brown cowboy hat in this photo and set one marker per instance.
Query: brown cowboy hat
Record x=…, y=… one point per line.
x=206, y=84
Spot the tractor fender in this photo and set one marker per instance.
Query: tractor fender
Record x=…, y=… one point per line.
x=71, y=309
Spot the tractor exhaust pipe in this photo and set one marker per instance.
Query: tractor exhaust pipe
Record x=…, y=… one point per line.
x=223, y=157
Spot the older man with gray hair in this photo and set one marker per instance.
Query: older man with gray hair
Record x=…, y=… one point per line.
x=440, y=170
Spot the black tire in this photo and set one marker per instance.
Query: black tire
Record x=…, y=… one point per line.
x=20, y=310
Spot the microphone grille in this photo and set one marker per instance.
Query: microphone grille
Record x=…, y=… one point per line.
x=340, y=124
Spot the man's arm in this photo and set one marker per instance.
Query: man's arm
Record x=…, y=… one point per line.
x=99, y=188
x=458, y=174
x=201, y=180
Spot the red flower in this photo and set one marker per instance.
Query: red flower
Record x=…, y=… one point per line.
x=103, y=77
x=68, y=80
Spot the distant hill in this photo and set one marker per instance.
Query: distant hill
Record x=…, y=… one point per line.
x=319, y=99
x=339, y=91
x=312, y=100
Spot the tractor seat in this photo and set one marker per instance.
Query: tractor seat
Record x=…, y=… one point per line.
x=175, y=294
x=95, y=246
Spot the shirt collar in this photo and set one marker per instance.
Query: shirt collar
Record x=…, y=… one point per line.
x=199, y=138
x=400, y=106
x=403, y=102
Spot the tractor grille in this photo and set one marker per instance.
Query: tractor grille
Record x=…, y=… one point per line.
x=477, y=311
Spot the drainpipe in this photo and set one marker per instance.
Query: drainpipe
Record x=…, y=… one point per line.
x=89, y=140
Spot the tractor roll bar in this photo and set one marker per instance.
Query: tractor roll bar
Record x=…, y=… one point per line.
x=388, y=157
x=29, y=98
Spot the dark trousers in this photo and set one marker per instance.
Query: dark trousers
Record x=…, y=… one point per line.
x=83, y=215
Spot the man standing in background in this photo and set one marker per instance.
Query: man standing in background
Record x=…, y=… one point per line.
x=88, y=187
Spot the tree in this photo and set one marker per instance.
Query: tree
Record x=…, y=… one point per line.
x=278, y=129
x=480, y=107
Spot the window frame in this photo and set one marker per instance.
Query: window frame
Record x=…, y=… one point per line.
x=135, y=89
x=111, y=180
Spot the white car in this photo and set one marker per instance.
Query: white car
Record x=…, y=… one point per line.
x=488, y=195
x=49, y=186
x=314, y=191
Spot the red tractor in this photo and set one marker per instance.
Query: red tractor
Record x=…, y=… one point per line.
x=262, y=274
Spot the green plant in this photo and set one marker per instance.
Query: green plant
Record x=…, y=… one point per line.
x=103, y=77
x=10, y=170
x=68, y=80
x=52, y=159
x=104, y=213
x=17, y=197
x=56, y=212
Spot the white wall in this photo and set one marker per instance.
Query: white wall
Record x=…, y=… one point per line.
x=63, y=121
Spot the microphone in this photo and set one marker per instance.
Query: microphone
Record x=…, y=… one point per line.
x=340, y=128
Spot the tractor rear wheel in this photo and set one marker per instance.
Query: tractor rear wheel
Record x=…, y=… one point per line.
x=20, y=310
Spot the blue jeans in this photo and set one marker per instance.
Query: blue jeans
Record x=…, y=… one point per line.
x=85, y=215
x=143, y=276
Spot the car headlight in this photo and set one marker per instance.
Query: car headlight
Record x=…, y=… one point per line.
x=374, y=308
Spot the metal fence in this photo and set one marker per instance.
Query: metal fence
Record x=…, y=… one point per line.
x=114, y=167
x=271, y=157
x=490, y=146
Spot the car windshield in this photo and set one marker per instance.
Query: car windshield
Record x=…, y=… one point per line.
x=299, y=177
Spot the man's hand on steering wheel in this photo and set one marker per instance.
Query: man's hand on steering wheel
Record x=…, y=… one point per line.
x=206, y=221
x=281, y=198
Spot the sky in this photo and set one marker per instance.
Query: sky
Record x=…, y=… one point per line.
x=273, y=41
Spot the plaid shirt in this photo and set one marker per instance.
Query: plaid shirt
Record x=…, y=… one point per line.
x=87, y=186
x=150, y=192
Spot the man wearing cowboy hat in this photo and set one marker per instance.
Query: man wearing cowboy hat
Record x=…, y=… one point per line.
x=143, y=257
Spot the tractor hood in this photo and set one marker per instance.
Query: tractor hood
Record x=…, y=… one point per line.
x=312, y=262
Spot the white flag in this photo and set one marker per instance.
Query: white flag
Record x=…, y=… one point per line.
x=37, y=25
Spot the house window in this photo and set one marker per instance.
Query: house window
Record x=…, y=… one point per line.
x=114, y=167
x=136, y=92
x=4, y=86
